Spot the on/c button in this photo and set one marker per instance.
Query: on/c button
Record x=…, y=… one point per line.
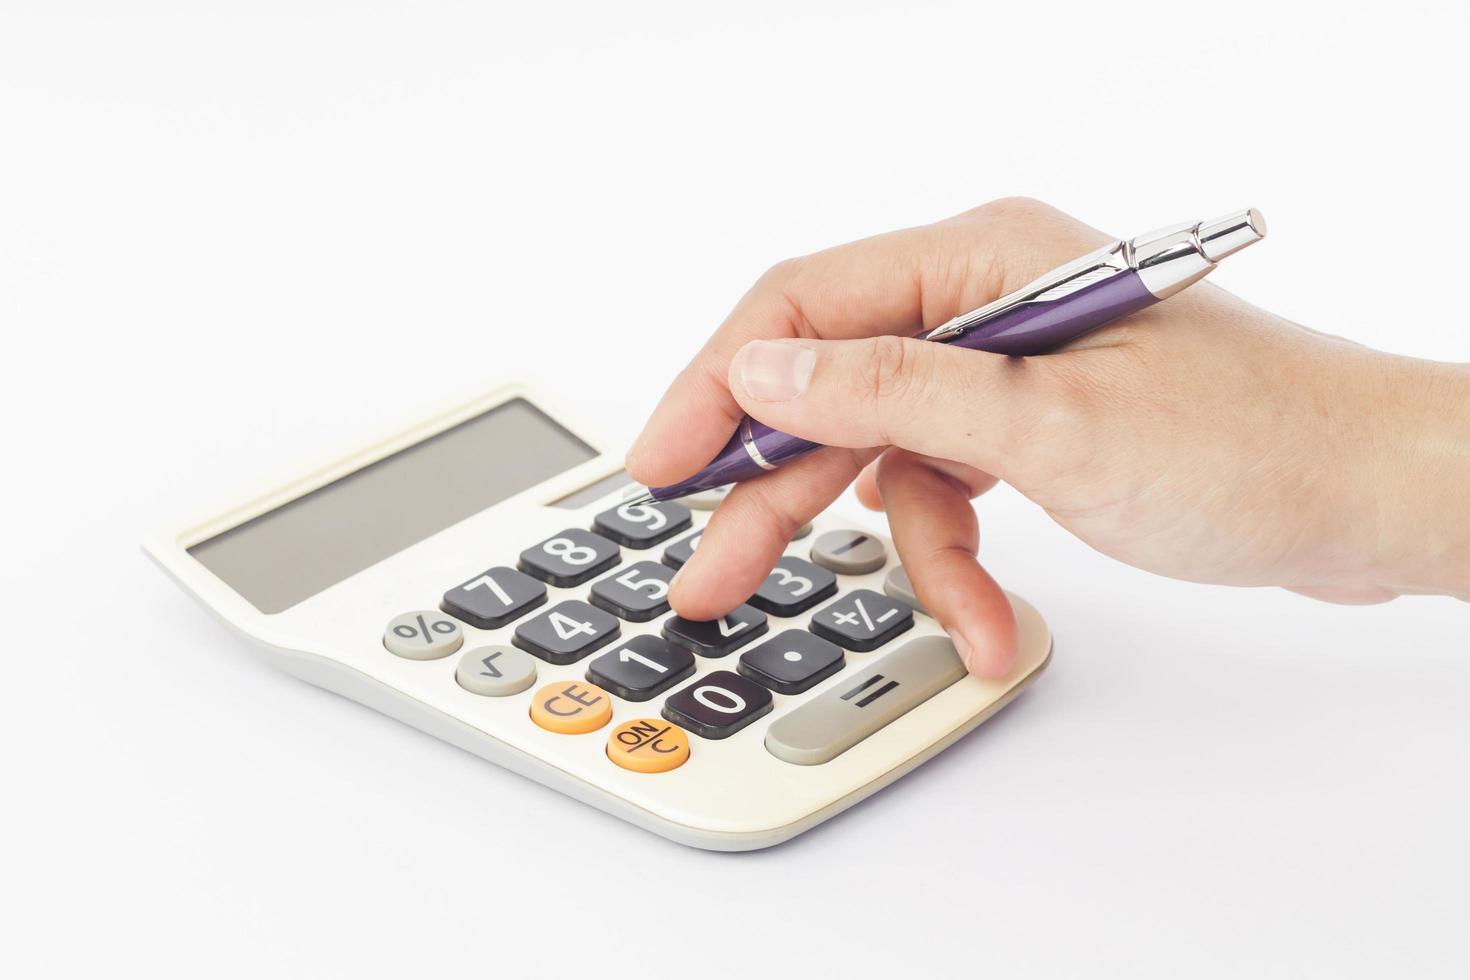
x=648, y=745
x=571, y=707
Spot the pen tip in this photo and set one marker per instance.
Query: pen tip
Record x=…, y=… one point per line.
x=643, y=498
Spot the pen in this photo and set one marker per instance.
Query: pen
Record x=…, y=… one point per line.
x=1062, y=305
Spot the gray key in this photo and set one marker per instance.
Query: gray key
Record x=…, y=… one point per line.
x=705, y=499
x=496, y=672
x=896, y=585
x=842, y=716
x=849, y=552
x=424, y=634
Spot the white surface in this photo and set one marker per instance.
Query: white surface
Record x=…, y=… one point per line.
x=234, y=240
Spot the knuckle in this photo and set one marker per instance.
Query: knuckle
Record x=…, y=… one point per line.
x=1015, y=210
x=889, y=375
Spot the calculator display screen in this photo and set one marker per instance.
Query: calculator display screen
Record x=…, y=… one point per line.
x=300, y=548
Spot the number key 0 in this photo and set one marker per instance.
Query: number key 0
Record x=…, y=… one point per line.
x=570, y=557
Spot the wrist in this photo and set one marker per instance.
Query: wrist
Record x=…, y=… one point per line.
x=1422, y=497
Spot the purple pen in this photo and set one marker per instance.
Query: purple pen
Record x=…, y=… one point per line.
x=1064, y=304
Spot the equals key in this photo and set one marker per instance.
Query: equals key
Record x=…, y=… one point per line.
x=842, y=716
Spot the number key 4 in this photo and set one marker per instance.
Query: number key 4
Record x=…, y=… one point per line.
x=566, y=632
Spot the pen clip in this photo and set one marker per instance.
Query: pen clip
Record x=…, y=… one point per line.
x=1094, y=267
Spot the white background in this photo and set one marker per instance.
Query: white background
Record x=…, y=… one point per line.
x=236, y=240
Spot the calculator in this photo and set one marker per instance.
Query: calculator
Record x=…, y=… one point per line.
x=480, y=577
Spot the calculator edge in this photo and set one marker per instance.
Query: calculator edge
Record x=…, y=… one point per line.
x=342, y=679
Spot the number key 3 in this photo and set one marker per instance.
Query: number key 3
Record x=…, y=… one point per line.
x=793, y=587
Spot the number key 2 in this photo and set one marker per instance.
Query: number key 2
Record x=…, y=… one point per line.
x=642, y=525
x=494, y=598
x=793, y=587
x=566, y=632
x=716, y=637
x=862, y=620
x=570, y=557
x=637, y=593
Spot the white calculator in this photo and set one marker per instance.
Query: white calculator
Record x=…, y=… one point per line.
x=479, y=577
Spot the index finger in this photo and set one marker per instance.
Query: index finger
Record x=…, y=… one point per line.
x=900, y=282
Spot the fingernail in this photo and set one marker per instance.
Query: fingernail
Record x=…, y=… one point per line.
x=776, y=372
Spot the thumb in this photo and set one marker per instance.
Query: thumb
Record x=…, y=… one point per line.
x=1012, y=417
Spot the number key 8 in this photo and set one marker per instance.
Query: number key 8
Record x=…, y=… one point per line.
x=570, y=557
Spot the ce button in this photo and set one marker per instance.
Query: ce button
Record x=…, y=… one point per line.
x=571, y=707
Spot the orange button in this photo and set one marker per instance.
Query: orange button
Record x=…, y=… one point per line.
x=648, y=745
x=571, y=707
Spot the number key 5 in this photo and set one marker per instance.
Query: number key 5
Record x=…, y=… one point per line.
x=637, y=593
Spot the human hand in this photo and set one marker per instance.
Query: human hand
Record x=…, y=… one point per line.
x=1202, y=438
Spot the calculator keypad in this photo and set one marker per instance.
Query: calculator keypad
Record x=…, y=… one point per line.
x=494, y=598
x=862, y=620
x=636, y=593
x=569, y=558
x=646, y=667
x=716, y=637
x=566, y=632
x=793, y=587
x=642, y=525
x=792, y=662
x=642, y=668
x=718, y=704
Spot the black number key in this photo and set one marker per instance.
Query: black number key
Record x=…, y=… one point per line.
x=792, y=662
x=570, y=557
x=676, y=554
x=718, y=704
x=642, y=525
x=637, y=593
x=793, y=587
x=494, y=598
x=566, y=632
x=862, y=620
x=716, y=637
x=642, y=668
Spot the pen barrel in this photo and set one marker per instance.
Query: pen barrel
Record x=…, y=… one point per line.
x=1035, y=328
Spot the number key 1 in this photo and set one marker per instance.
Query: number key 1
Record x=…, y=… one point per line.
x=494, y=598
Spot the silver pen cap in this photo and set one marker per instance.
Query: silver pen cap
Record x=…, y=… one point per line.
x=1172, y=258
